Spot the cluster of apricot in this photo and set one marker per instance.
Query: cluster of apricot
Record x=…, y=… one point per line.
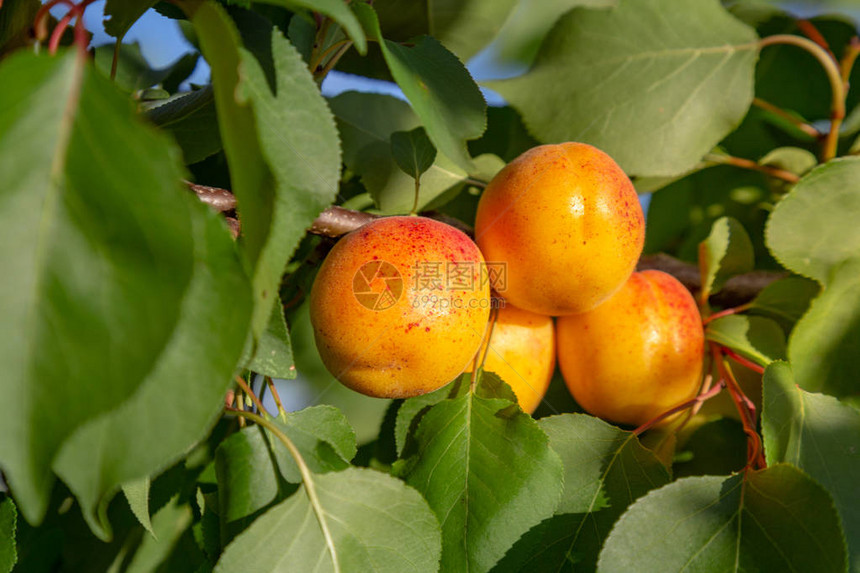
x=401, y=306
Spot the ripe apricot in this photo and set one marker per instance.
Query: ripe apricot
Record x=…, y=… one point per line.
x=398, y=307
x=567, y=222
x=636, y=355
x=522, y=353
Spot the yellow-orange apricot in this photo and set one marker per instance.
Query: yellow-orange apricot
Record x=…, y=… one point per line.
x=567, y=222
x=636, y=355
x=399, y=307
x=522, y=353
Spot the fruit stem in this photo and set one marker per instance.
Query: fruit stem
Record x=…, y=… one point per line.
x=706, y=395
x=745, y=407
x=742, y=361
x=307, y=476
x=414, y=210
x=250, y=393
x=776, y=172
x=837, y=86
x=727, y=312
x=282, y=414
x=806, y=128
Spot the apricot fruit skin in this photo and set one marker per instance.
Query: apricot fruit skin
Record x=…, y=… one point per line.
x=522, y=353
x=568, y=223
x=636, y=355
x=416, y=337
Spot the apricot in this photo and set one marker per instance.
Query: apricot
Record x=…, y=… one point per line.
x=399, y=306
x=636, y=355
x=522, y=352
x=567, y=222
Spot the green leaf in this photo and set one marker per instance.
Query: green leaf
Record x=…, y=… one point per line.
x=654, y=83
x=487, y=471
x=192, y=120
x=274, y=355
x=825, y=343
x=819, y=435
x=777, y=519
x=506, y=136
x=79, y=229
x=814, y=227
x=169, y=524
x=792, y=159
x=137, y=495
x=716, y=447
x=463, y=26
x=120, y=15
x=531, y=21
x=726, y=252
x=413, y=151
x=280, y=140
x=786, y=300
x=134, y=73
x=438, y=86
x=354, y=520
x=366, y=122
x=8, y=523
x=759, y=339
x=605, y=470
x=254, y=469
x=337, y=10
x=681, y=214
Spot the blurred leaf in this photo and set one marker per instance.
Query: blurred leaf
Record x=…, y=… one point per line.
x=506, y=135
x=759, y=339
x=353, y=520
x=254, y=468
x=825, y=344
x=531, y=21
x=680, y=215
x=819, y=435
x=172, y=300
x=487, y=471
x=786, y=300
x=274, y=354
x=717, y=447
x=137, y=494
x=337, y=10
x=412, y=151
x=653, y=83
x=8, y=521
x=605, y=470
x=16, y=19
x=192, y=120
x=463, y=26
x=726, y=252
x=438, y=86
x=133, y=72
x=120, y=15
x=366, y=122
x=776, y=519
x=792, y=159
x=814, y=227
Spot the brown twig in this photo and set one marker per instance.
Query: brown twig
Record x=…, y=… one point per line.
x=750, y=164
x=337, y=221
x=795, y=121
x=810, y=31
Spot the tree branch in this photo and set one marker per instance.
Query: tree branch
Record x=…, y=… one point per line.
x=337, y=221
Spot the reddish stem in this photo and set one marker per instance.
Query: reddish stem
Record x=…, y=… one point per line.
x=755, y=455
x=743, y=361
x=57, y=34
x=727, y=312
x=706, y=395
x=810, y=31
